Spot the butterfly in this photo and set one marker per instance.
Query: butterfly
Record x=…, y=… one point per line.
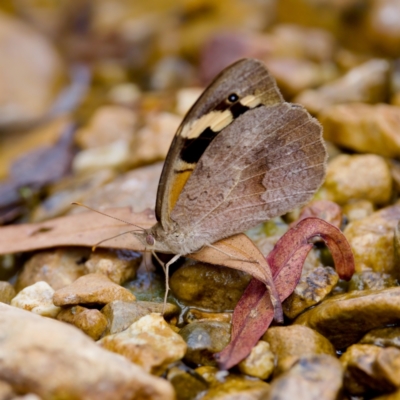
x=241, y=156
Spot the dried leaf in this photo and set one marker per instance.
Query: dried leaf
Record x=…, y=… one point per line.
x=254, y=313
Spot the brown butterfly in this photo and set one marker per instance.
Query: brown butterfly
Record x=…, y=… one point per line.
x=241, y=156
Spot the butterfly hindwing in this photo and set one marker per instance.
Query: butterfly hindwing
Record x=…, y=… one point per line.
x=239, y=89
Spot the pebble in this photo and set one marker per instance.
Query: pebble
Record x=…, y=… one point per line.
x=209, y=287
x=7, y=292
x=148, y=342
x=311, y=290
x=107, y=125
x=371, y=240
x=345, y=318
x=121, y=314
x=187, y=383
x=358, y=209
x=290, y=343
x=58, y=267
x=204, y=339
x=383, y=337
x=56, y=360
x=91, y=289
x=371, y=280
x=358, y=177
x=37, y=298
x=90, y=321
x=311, y=378
x=366, y=83
x=118, y=266
x=363, y=127
x=260, y=362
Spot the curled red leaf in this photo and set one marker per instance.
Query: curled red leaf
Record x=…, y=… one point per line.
x=254, y=312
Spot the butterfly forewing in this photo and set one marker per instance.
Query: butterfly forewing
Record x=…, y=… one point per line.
x=239, y=89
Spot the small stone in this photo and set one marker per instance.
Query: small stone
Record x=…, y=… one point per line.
x=185, y=98
x=358, y=209
x=91, y=289
x=237, y=387
x=354, y=177
x=360, y=371
x=194, y=315
x=345, y=318
x=107, y=125
x=37, y=298
x=383, y=337
x=149, y=342
x=366, y=83
x=371, y=280
x=118, y=266
x=90, y=321
x=113, y=155
x=211, y=375
x=260, y=362
x=203, y=340
x=124, y=94
x=7, y=292
x=187, y=385
x=209, y=287
x=121, y=314
x=57, y=361
x=6, y=391
x=388, y=367
x=311, y=378
x=364, y=128
x=371, y=240
x=58, y=267
x=310, y=290
x=152, y=142
x=290, y=343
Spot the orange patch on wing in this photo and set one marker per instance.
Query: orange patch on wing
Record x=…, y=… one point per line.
x=177, y=185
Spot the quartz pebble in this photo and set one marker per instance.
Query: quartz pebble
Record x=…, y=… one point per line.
x=37, y=298
x=204, y=339
x=260, y=362
x=121, y=314
x=148, y=342
x=56, y=360
x=58, y=267
x=91, y=289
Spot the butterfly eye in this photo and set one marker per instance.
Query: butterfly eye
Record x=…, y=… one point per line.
x=233, y=97
x=150, y=240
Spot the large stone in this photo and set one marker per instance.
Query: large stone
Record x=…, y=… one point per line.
x=149, y=342
x=364, y=128
x=91, y=289
x=290, y=343
x=208, y=286
x=58, y=267
x=371, y=240
x=121, y=314
x=55, y=360
x=356, y=177
x=311, y=378
x=344, y=319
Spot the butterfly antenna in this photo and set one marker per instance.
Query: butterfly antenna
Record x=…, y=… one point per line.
x=112, y=237
x=106, y=215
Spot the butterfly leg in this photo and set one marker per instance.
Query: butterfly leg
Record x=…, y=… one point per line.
x=171, y=261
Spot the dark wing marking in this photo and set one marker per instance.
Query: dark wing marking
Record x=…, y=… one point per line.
x=265, y=163
x=246, y=77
